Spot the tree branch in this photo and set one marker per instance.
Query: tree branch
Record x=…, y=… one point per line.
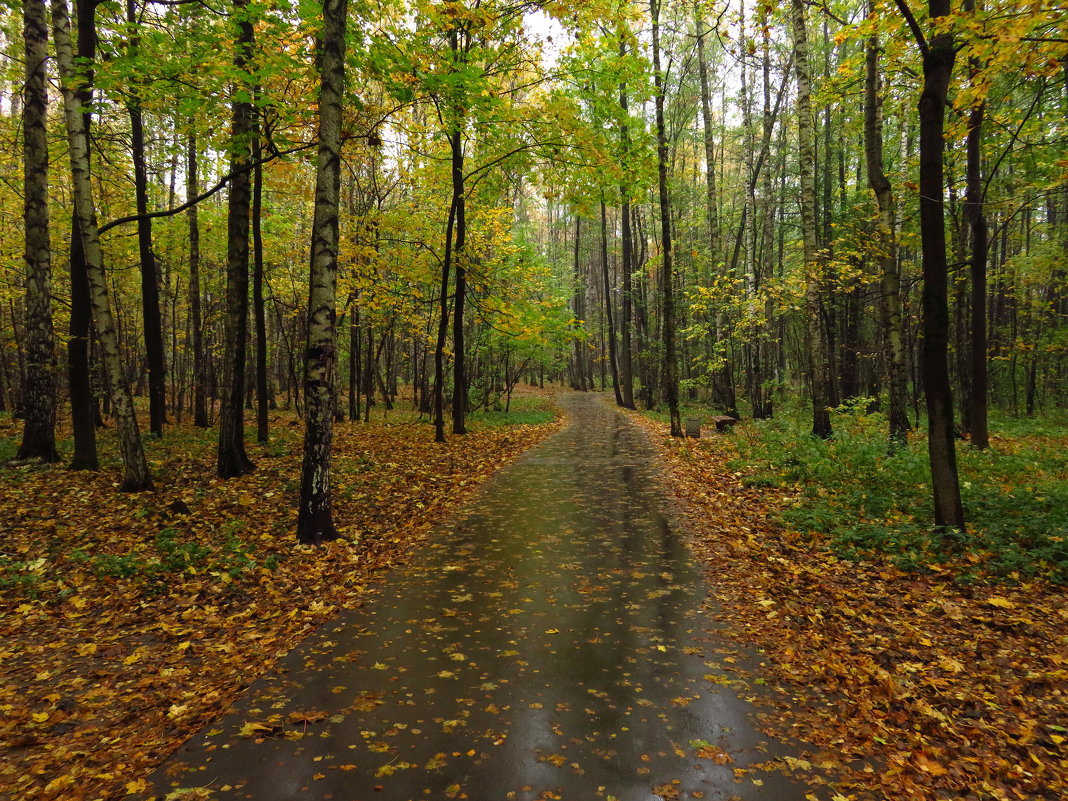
x=914, y=26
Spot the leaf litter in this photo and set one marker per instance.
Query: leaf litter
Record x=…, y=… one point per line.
x=130, y=621
x=911, y=686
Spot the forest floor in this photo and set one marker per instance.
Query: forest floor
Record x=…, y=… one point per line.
x=913, y=684
x=129, y=621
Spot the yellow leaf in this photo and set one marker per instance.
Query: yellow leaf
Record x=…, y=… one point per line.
x=1001, y=603
x=136, y=786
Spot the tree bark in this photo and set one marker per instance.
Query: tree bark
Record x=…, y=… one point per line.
x=258, y=308
x=136, y=476
x=609, y=319
x=459, y=383
x=818, y=367
x=670, y=377
x=626, y=363
x=150, y=308
x=83, y=407
x=578, y=303
x=890, y=272
x=200, y=368
x=39, y=385
x=973, y=204
x=232, y=457
x=939, y=55
x=443, y=329
x=315, y=522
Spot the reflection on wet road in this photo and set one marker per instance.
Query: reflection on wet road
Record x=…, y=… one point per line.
x=548, y=645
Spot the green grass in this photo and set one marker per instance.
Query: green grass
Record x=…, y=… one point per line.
x=528, y=410
x=869, y=503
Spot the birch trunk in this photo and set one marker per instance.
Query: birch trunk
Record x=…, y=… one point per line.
x=315, y=522
x=819, y=380
x=136, y=476
x=83, y=405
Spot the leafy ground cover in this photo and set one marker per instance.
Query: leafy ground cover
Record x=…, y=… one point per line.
x=934, y=683
x=869, y=502
x=128, y=621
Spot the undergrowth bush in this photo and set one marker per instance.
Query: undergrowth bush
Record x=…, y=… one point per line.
x=869, y=502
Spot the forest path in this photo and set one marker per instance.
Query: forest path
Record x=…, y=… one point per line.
x=547, y=645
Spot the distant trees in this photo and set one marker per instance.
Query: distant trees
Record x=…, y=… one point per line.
x=687, y=209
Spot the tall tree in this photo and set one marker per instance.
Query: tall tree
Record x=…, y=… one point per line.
x=136, y=476
x=974, y=208
x=39, y=391
x=670, y=374
x=315, y=522
x=819, y=377
x=232, y=458
x=609, y=318
x=200, y=361
x=83, y=407
x=889, y=271
x=939, y=54
x=459, y=46
x=150, y=309
x=626, y=365
x=259, y=310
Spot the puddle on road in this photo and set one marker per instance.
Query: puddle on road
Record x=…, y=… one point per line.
x=548, y=645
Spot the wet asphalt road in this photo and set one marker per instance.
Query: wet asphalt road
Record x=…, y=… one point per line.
x=547, y=645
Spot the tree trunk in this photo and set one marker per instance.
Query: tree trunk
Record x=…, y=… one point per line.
x=136, y=476
x=579, y=307
x=200, y=371
x=670, y=375
x=818, y=367
x=890, y=273
x=83, y=408
x=459, y=384
x=609, y=318
x=315, y=520
x=258, y=309
x=232, y=457
x=39, y=385
x=626, y=363
x=150, y=308
x=938, y=57
x=354, y=362
x=443, y=329
x=973, y=204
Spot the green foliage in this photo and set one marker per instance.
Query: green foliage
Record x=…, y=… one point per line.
x=530, y=410
x=172, y=554
x=869, y=503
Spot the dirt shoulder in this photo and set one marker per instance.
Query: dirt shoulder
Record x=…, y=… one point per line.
x=910, y=686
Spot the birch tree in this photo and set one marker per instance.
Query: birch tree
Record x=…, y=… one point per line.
x=315, y=522
x=136, y=476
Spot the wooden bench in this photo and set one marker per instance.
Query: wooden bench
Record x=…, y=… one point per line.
x=723, y=422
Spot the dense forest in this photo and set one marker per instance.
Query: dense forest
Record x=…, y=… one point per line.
x=841, y=205
x=333, y=266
